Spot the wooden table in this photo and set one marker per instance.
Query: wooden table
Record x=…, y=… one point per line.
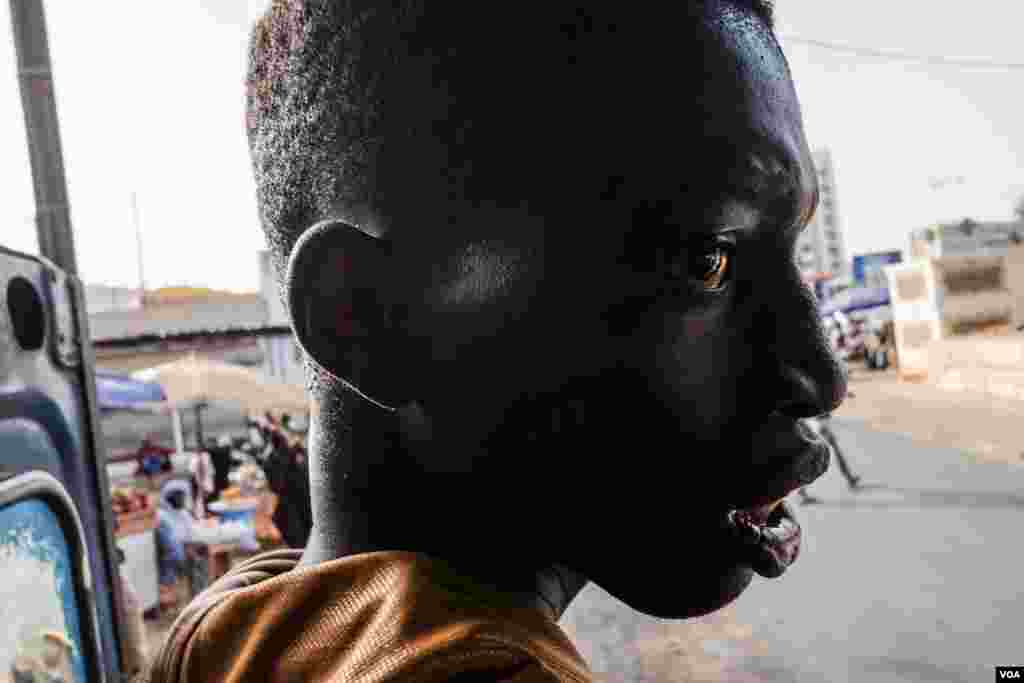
x=131, y=523
x=207, y=563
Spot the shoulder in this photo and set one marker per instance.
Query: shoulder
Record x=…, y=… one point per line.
x=170, y=662
x=384, y=616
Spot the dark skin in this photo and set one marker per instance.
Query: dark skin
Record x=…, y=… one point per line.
x=574, y=367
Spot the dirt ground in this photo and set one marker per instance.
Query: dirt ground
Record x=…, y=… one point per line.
x=983, y=426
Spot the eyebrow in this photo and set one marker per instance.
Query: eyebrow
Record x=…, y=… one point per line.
x=769, y=183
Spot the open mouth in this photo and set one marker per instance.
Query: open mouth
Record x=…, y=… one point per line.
x=770, y=536
x=766, y=529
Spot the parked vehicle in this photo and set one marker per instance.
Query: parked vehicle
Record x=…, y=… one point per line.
x=58, y=560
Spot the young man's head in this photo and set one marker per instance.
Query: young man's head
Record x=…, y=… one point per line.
x=540, y=259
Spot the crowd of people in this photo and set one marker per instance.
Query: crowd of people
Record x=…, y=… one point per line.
x=854, y=337
x=272, y=447
x=286, y=465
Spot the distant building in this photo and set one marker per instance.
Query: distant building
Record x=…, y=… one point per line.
x=172, y=311
x=283, y=357
x=821, y=247
x=104, y=299
x=966, y=238
x=937, y=300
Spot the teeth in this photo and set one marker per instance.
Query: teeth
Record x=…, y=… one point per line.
x=762, y=513
x=748, y=529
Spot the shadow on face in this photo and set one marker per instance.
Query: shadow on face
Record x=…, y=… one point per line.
x=573, y=275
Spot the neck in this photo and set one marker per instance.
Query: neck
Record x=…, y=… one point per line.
x=339, y=483
x=368, y=495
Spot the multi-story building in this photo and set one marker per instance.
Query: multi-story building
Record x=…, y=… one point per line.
x=821, y=247
x=966, y=238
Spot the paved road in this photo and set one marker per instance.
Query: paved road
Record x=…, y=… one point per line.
x=922, y=580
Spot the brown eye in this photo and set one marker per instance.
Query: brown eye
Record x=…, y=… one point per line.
x=710, y=267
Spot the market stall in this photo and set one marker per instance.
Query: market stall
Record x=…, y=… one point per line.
x=133, y=504
x=136, y=515
x=192, y=384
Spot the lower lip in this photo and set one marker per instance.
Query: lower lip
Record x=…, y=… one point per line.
x=770, y=548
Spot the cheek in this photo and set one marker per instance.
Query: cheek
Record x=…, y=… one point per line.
x=695, y=328
x=701, y=363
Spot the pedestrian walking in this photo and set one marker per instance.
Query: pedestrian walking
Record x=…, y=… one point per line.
x=822, y=426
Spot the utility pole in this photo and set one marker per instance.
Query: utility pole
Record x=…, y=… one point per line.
x=138, y=242
x=35, y=78
x=57, y=245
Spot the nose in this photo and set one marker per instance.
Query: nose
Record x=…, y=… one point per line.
x=812, y=393
x=812, y=380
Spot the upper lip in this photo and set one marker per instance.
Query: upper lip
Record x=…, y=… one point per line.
x=785, y=455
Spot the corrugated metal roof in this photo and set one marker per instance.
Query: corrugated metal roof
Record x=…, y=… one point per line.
x=243, y=310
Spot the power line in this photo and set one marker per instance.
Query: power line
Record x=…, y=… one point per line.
x=933, y=60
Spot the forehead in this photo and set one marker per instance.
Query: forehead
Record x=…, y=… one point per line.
x=693, y=109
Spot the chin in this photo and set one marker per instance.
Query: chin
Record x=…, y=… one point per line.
x=688, y=568
x=689, y=594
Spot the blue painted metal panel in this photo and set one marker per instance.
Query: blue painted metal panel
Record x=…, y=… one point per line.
x=42, y=584
x=49, y=423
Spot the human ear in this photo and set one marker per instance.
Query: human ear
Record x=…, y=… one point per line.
x=342, y=295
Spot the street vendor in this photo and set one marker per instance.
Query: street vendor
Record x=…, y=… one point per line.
x=174, y=530
x=288, y=477
x=221, y=457
x=506, y=244
x=153, y=458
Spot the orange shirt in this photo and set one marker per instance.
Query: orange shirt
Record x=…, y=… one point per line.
x=385, y=616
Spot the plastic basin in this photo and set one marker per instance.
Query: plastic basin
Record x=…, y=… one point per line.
x=236, y=512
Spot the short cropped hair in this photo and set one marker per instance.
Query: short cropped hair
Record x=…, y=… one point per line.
x=311, y=103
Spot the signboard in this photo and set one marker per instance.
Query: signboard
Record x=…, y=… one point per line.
x=856, y=299
x=868, y=268
x=916, y=306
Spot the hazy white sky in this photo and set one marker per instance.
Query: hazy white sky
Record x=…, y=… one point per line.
x=150, y=100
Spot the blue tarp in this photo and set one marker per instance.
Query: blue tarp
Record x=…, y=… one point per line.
x=856, y=299
x=115, y=391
